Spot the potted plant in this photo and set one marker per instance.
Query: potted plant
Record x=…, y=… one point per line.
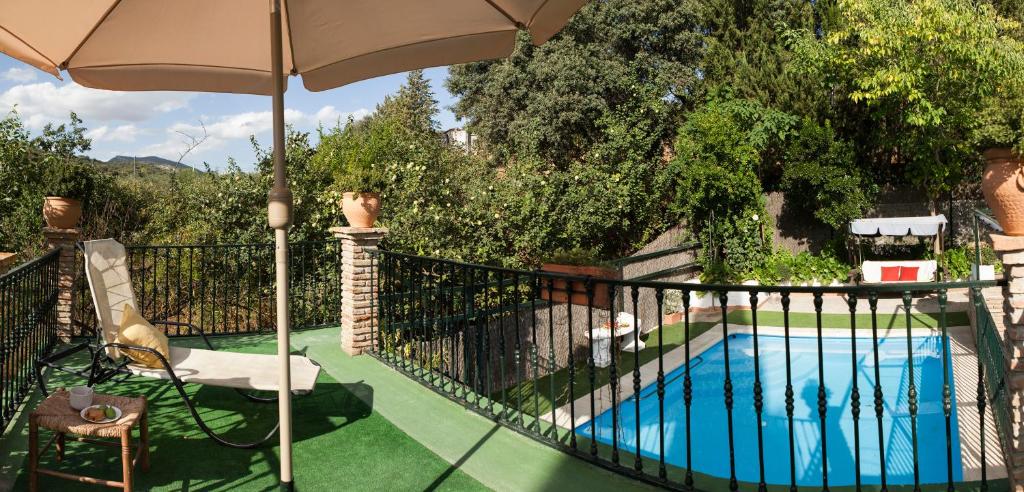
x=65, y=187
x=673, y=307
x=999, y=135
x=358, y=158
x=578, y=262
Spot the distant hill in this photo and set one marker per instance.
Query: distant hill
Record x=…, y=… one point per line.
x=150, y=160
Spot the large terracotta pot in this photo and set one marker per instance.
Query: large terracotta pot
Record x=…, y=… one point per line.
x=1003, y=186
x=576, y=293
x=361, y=210
x=61, y=213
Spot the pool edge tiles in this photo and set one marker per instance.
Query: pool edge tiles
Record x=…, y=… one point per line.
x=964, y=375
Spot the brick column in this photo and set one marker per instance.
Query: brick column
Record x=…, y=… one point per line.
x=65, y=240
x=358, y=326
x=1009, y=319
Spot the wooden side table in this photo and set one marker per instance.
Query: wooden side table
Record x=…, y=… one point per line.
x=55, y=413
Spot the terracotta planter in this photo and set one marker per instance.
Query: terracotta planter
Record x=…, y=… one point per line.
x=577, y=292
x=1003, y=186
x=61, y=213
x=671, y=319
x=361, y=210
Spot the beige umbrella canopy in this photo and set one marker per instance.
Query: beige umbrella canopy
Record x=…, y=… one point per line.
x=249, y=47
x=223, y=45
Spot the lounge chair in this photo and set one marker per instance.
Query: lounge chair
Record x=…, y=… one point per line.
x=109, y=281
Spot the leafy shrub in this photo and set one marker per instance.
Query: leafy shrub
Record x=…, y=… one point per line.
x=719, y=151
x=956, y=262
x=821, y=175
x=69, y=180
x=359, y=154
x=576, y=257
x=783, y=266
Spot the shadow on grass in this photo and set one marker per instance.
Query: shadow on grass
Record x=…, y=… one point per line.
x=184, y=458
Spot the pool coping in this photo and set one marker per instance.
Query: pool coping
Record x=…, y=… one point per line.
x=962, y=356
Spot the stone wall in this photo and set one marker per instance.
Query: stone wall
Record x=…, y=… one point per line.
x=1010, y=319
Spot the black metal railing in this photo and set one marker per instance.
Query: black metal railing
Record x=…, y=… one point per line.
x=757, y=386
x=28, y=327
x=227, y=288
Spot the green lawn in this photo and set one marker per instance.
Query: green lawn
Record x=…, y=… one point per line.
x=832, y=320
x=555, y=387
x=340, y=442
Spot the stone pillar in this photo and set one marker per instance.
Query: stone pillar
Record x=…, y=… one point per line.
x=1009, y=317
x=7, y=261
x=358, y=324
x=65, y=240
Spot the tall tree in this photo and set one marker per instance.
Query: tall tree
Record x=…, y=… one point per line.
x=747, y=55
x=615, y=58
x=919, y=73
x=414, y=103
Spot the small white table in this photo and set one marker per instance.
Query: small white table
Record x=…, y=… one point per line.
x=602, y=339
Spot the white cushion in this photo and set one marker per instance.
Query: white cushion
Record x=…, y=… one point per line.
x=232, y=369
x=871, y=271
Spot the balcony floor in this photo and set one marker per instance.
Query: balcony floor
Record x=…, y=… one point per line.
x=365, y=427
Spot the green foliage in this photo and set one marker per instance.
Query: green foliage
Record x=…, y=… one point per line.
x=553, y=102
x=746, y=54
x=575, y=257
x=359, y=156
x=31, y=168
x=922, y=71
x=957, y=262
x=69, y=180
x=718, y=153
x=820, y=175
x=802, y=268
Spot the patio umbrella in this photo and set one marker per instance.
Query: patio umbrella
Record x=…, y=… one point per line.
x=229, y=46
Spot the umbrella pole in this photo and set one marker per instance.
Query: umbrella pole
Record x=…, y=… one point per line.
x=279, y=212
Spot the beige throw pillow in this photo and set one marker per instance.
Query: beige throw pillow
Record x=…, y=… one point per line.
x=135, y=330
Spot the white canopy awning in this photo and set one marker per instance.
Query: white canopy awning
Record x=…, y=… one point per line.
x=899, y=226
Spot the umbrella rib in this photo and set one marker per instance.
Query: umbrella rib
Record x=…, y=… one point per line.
x=400, y=46
x=64, y=65
x=508, y=16
x=113, y=65
x=33, y=48
x=291, y=43
x=539, y=9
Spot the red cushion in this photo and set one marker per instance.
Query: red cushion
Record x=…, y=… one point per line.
x=891, y=273
x=908, y=273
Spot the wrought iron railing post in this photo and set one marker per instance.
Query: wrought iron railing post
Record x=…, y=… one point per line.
x=723, y=298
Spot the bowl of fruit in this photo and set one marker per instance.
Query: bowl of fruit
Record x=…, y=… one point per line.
x=101, y=414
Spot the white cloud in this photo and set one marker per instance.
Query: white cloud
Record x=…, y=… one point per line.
x=222, y=129
x=44, y=102
x=330, y=116
x=123, y=133
x=19, y=74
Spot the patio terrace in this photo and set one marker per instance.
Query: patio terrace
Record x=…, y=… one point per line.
x=503, y=358
x=365, y=427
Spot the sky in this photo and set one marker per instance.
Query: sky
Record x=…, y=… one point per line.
x=152, y=123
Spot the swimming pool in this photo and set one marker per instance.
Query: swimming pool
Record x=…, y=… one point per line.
x=709, y=425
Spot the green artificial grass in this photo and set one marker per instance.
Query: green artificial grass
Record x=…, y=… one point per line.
x=340, y=442
x=553, y=390
x=838, y=320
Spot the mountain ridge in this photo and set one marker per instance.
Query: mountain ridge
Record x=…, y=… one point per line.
x=153, y=160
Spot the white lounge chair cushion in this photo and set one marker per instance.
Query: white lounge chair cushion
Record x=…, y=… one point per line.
x=232, y=369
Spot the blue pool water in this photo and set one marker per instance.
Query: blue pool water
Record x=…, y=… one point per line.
x=710, y=444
